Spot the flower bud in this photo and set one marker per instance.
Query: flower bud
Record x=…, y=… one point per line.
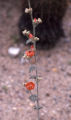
x=28, y=10
x=39, y=20
x=36, y=38
x=24, y=32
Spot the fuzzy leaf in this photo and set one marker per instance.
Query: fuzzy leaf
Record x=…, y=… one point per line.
x=39, y=78
x=37, y=107
x=32, y=68
x=33, y=77
x=28, y=41
x=33, y=98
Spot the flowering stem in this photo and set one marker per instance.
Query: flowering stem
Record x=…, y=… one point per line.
x=35, y=62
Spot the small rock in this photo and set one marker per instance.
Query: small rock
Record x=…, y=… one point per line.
x=54, y=88
x=13, y=52
x=53, y=112
x=45, y=111
x=14, y=108
x=47, y=95
x=54, y=70
x=31, y=105
x=22, y=72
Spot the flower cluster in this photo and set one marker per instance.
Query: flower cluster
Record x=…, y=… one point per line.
x=37, y=21
x=29, y=53
x=30, y=36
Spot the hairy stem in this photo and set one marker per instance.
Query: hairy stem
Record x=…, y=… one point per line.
x=35, y=62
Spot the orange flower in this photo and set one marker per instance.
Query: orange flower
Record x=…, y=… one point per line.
x=30, y=85
x=30, y=36
x=30, y=53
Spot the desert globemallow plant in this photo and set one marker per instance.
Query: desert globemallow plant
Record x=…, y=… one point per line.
x=31, y=54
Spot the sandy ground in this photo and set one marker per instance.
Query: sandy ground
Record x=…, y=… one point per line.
x=54, y=67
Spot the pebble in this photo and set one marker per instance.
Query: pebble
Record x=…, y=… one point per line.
x=47, y=94
x=14, y=52
x=22, y=72
x=53, y=112
x=45, y=111
x=14, y=108
x=42, y=114
x=31, y=105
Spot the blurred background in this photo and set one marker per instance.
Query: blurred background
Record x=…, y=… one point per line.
x=55, y=71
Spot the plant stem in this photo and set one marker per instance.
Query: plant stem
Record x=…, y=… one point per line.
x=35, y=62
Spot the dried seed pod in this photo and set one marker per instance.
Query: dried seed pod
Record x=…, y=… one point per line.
x=39, y=20
x=36, y=38
x=28, y=10
x=24, y=32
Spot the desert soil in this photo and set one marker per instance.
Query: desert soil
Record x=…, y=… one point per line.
x=54, y=68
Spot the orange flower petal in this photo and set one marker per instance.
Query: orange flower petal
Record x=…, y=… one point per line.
x=30, y=36
x=30, y=85
x=30, y=53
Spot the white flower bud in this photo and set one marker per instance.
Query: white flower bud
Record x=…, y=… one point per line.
x=24, y=32
x=28, y=32
x=36, y=38
x=26, y=10
x=39, y=20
